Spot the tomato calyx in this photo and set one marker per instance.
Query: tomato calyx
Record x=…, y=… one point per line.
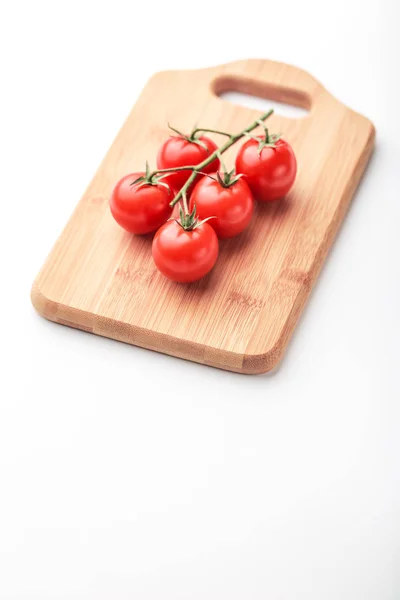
x=189, y=220
x=269, y=140
x=193, y=138
x=150, y=178
x=228, y=178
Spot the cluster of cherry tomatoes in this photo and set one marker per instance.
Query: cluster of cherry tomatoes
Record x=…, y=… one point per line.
x=213, y=203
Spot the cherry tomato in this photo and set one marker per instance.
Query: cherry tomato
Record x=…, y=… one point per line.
x=140, y=208
x=231, y=205
x=185, y=256
x=271, y=173
x=179, y=151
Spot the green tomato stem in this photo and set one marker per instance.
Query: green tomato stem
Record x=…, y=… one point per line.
x=210, y=131
x=172, y=170
x=185, y=204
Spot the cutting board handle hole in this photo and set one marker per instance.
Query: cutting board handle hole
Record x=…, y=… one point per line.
x=288, y=103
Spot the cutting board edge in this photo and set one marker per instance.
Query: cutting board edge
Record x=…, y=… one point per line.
x=246, y=364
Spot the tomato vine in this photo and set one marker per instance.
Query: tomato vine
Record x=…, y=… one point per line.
x=197, y=169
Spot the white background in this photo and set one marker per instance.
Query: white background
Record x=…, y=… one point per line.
x=129, y=474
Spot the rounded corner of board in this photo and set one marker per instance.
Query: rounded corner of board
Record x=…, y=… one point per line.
x=43, y=305
x=258, y=364
x=372, y=131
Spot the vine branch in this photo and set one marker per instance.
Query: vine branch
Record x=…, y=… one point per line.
x=196, y=169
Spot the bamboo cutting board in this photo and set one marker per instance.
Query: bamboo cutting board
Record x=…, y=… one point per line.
x=101, y=279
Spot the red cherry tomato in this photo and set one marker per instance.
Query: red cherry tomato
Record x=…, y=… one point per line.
x=271, y=174
x=232, y=206
x=140, y=208
x=185, y=256
x=179, y=151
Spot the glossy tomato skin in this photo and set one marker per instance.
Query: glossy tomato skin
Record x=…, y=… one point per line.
x=142, y=209
x=178, y=152
x=231, y=206
x=185, y=256
x=271, y=175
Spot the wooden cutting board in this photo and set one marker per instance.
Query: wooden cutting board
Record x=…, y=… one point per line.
x=101, y=279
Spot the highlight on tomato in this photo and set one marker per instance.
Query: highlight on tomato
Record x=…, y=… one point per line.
x=185, y=249
x=227, y=198
x=269, y=165
x=140, y=203
x=185, y=150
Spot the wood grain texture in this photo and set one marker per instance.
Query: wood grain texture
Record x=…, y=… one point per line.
x=240, y=317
